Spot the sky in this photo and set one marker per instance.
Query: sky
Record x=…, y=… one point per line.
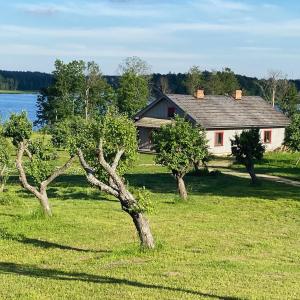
x=250, y=37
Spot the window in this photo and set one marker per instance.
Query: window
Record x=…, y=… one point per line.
x=267, y=136
x=171, y=112
x=219, y=138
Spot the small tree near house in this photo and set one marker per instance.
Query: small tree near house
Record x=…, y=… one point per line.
x=180, y=146
x=248, y=148
x=292, y=135
x=106, y=147
x=38, y=165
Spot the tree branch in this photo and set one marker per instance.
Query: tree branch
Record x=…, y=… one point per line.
x=57, y=172
x=90, y=175
x=22, y=173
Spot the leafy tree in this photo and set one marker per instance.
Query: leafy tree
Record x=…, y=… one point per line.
x=287, y=97
x=40, y=155
x=194, y=80
x=179, y=146
x=106, y=148
x=133, y=91
x=222, y=82
x=78, y=89
x=292, y=135
x=247, y=149
x=97, y=94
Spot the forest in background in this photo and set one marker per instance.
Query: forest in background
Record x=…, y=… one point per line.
x=35, y=81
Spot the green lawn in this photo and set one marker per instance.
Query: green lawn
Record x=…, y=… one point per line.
x=230, y=240
x=279, y=164
x=16, y=92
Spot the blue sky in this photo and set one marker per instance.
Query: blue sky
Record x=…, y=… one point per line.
x=251, y=37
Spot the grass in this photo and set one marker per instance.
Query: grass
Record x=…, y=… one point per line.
x=230, y=240
x=16, y=92
x=278, y=164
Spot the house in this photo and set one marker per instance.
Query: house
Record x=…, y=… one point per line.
x=221, y=116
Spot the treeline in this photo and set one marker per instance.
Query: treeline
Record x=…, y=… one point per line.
x=24, y=81
x=35, y=81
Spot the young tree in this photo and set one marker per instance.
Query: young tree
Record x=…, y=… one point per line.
x=194, y=80
x=292, y=135
x=179, y=146
x=106, y=148
x=40, y=154
x=248, y=148
x=133, y=92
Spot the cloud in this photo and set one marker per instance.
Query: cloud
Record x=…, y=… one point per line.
x=43, y=10
x=223, y=6
x=86, y=52
x=88, y=9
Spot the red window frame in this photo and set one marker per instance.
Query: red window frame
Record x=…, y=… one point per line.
x=266, y=139
x=171, y=112
x=217, y=134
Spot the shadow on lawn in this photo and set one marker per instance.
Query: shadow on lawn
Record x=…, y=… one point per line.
x=43, y=244
x=33, y=271
x=221, y=185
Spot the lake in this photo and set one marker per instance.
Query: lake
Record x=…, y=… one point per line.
x=17, y=103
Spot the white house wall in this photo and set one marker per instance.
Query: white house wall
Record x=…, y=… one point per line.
x=276, y=139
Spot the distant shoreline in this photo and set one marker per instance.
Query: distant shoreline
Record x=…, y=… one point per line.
x=17, y=92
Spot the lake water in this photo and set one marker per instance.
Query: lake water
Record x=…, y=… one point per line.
x=17, y=103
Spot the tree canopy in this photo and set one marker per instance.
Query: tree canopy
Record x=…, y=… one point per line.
x=179, y=146
x=247, y=148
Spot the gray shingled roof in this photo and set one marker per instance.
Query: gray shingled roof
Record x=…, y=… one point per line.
x=226, y=112
x=152, y=122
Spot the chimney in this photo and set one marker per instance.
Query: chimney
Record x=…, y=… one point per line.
x=199, y=94
x=237, y=94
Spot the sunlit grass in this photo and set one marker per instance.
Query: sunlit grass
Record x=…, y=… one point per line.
x=230, y=240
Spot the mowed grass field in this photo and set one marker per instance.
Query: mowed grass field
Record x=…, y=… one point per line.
x=230, y=240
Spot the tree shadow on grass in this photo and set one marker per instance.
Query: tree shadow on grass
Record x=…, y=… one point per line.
x=36, y=272
x=43, y=244
x=222, y=185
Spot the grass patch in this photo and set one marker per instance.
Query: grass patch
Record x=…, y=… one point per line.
x=230, y=240
x=278, y=164
x=17, y=92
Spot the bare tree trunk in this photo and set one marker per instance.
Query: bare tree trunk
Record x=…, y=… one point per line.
x=250, y=170
x=2, y=179
x=41, y=193
x=181, y=188
x=143, y=229
x=118, y=189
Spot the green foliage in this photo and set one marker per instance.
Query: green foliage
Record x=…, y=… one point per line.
x=41, y=166
x=194, y=80
x=18, y=127
x=78, y=89
x=115, y=129
x=288, y=98
x=179, y=145
x=133, y=91
x=222, y=82
x=247, y=147
x=292, y=134
x=144, y=202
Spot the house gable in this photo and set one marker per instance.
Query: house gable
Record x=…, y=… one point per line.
x=163, y=108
